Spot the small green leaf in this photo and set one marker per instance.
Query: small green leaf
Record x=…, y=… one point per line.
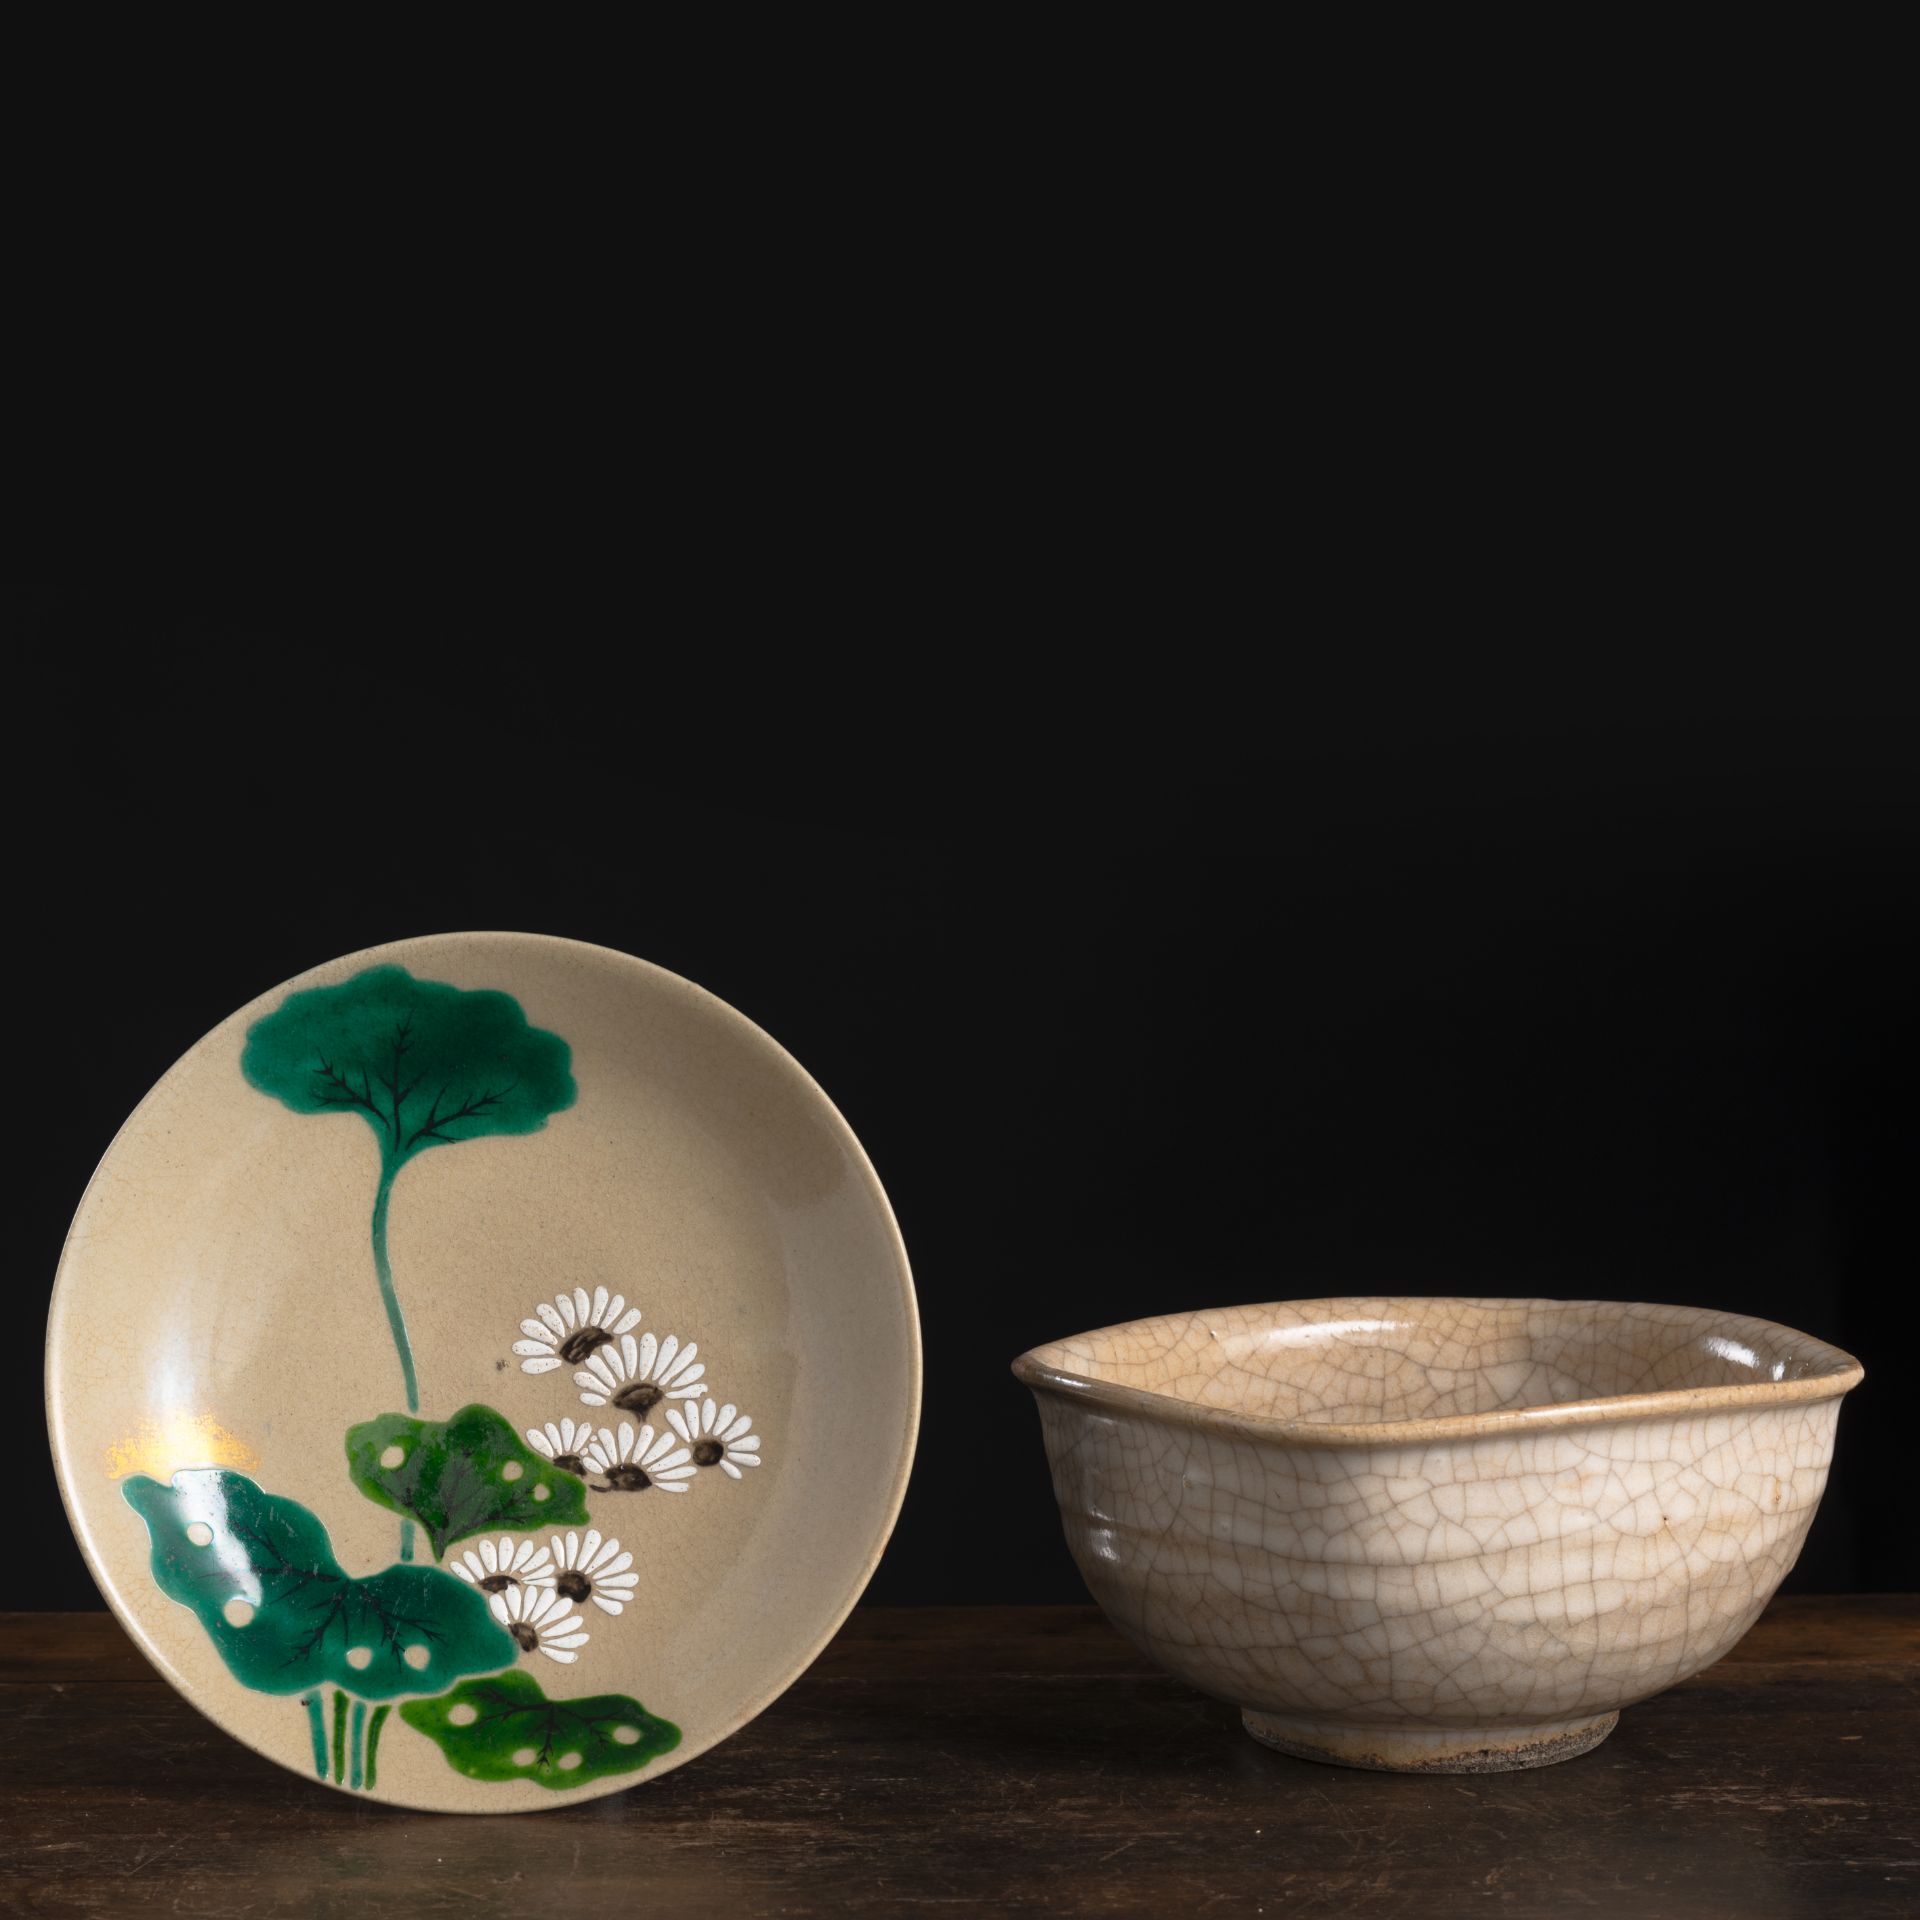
x=469, y=1474
x=505, y=1728
x=285, y=1616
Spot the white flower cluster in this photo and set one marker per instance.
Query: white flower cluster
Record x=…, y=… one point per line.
x=533, y=1589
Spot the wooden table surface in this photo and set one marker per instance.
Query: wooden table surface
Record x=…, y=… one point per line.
x=1005, y=1761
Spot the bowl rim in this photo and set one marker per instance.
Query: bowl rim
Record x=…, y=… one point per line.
x=1041, y=1369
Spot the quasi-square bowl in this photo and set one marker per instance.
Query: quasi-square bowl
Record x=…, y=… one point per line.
x=1445, y=1535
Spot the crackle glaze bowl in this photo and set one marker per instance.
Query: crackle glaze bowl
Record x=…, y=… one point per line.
x=483, y=1372
x=1437, y=1535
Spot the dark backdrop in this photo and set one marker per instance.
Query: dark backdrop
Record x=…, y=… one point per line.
x=1458, y=1000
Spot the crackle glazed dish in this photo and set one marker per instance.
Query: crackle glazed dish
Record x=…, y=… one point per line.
x=1437, y=1535
x=483, y=1372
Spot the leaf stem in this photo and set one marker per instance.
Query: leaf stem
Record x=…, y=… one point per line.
x=359, y=1740
x=373, y=1739
x=318, y=1728
x=339, y=1735
x=396, y=1320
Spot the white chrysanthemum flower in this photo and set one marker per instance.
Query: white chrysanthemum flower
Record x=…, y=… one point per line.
x=541, y=1621
x=564, y=1442
x=636, y=1375
x=720, y=1437
x=593, y=1569
x=636, y=1461
x=572, y=1328
x=494, y=1566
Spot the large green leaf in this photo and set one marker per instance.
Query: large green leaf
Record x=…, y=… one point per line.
x=469, y=1474
x=505, y=1728
x=259, y=1572
x=422, y=1063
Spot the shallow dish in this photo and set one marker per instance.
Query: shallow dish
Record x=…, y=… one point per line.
x=483, y=1372
x=1445, y=1535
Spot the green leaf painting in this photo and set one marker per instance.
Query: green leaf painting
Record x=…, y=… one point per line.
x=506, y=1728
x=470, y=1474
x=424, y=1065
x=259, y=1572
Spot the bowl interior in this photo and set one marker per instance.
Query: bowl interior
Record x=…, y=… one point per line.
x=1365, y=1361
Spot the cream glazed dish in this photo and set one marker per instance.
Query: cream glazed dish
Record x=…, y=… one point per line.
x=483, y=1372
x=1451, y=1536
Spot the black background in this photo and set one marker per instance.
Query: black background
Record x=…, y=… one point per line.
x=1247, y=993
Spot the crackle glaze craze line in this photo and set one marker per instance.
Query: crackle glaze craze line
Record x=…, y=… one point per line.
x=1485, y=1599
x=1367, y=1362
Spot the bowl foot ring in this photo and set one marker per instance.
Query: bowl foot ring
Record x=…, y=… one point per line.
x=1430, y=1749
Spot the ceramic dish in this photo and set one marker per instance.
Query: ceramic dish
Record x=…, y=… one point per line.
x=1446, y=1535
x=483, y=1372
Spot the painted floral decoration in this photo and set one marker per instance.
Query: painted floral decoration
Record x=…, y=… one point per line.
x=541, y=1620
x=494, y=1566
x=593, y=1569
x=722, y=1438
x=571, y=1328
x=564, y=1442
x=634, y=1376
x=424, y=1064
x=633, y=1462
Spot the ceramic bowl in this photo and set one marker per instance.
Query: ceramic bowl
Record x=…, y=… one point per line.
x=483, y=1372
x=1437, y=1535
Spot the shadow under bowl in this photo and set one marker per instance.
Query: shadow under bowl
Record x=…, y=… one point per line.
x=1443, y=1535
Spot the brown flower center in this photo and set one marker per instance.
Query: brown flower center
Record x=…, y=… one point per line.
x=498, y=1583
x=574, y=1585
x=570, y=1463
x=524, y=1636
x=575, y=1348
x=625, y=1479
x=641, y=1397
x=708, y=1453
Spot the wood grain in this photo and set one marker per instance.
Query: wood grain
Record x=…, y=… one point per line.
x=1006, y=1761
